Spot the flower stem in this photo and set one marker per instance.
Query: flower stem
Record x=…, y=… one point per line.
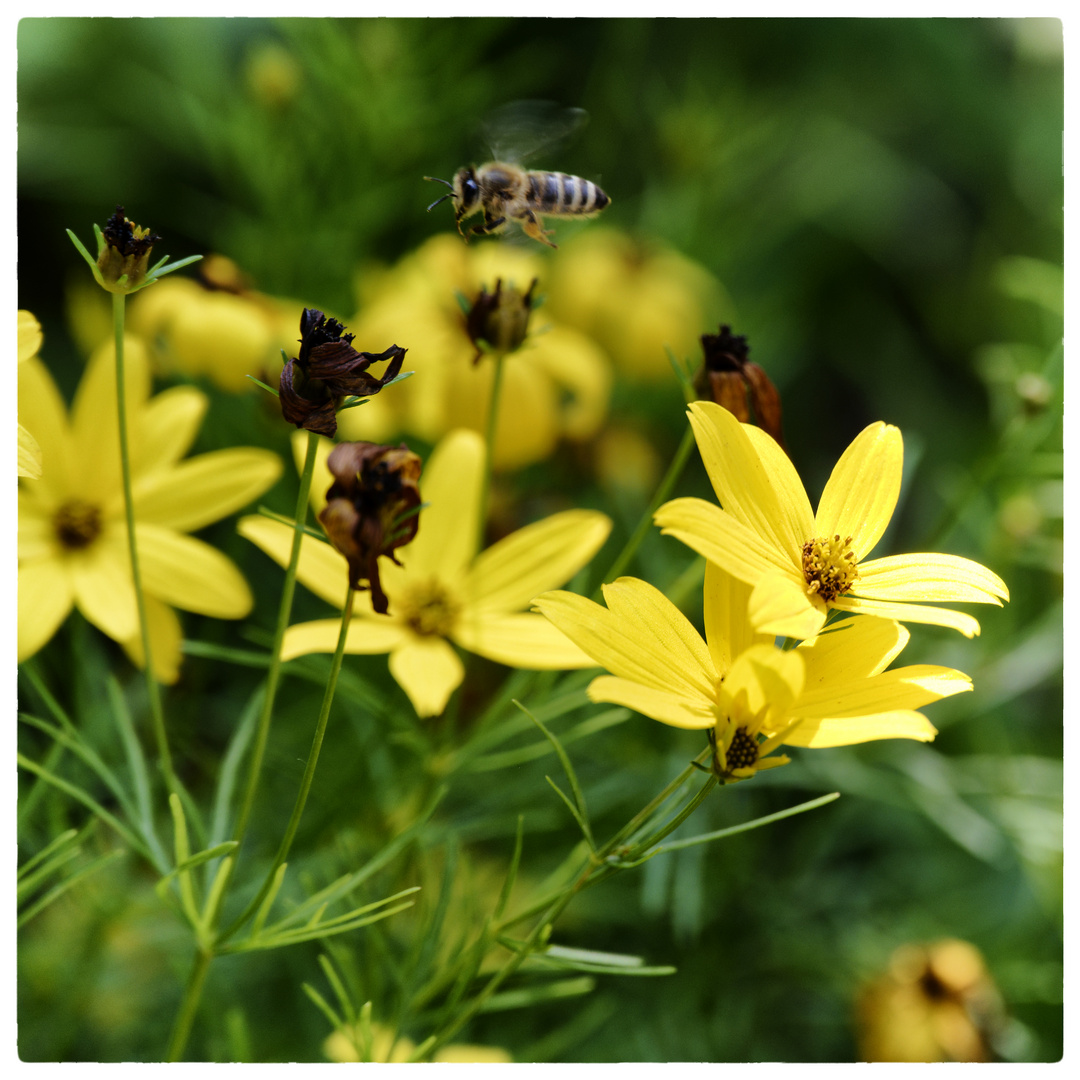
x=189, y=1005
x=153, y=691
x=309, y=770
x=489, y=444
x=671, y=477
x=284, y=611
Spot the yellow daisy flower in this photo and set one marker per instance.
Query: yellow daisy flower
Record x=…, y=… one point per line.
x=72, y=534
x=802, y=564
x=443, y=591
x=341, y=1046
x=835, y=690
x=30, y=339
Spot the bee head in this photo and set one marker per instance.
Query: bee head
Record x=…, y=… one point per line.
x=466, y=190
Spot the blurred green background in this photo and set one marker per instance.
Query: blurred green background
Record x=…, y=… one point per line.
x=882, y=202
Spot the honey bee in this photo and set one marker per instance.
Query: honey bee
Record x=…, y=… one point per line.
x=506, y=192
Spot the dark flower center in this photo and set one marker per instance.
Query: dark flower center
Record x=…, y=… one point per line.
x=743, y=752
x=429, y=610
x=829, y=566
x=77, y=524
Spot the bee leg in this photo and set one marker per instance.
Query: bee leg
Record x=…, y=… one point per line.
x=490, y=225
x=530, y=223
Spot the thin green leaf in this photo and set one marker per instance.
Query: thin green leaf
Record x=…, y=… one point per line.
x=323, y=1005
x=45, y=852
x=315, y=923
x=278, y=941
x=510, y=758
x=534, y=995
x=230, y=764
x=332, y=977
x=308, y=530
x=511, y=873
x=198, y=859
x=265, y=386
x=268, y=901
x=213, y=651
x=30, y=883
x=68, y=883
x=90, y=260
x=574, y=811
x=182, y=849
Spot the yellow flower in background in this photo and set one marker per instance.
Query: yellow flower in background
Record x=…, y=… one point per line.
x=555, y=386
x=342, y=1046
x=802, y=564
x=634, y=299
x=72, y=534
x=30, y=338
x=443, y=592
x=835, y=689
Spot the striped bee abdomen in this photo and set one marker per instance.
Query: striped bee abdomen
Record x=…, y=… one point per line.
x=560, y=193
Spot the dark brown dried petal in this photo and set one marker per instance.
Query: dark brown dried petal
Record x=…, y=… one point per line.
x=499, y=320
x=303, y=411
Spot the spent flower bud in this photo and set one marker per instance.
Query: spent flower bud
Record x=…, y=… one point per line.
x=371, y=508
x=736, y=383
x=327, y=370
x=498, y=322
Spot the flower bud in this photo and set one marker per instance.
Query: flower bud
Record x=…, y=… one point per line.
x=124, y=257
x=498, y=322
x=371, y=508
x=728, y=378
x=329, y=369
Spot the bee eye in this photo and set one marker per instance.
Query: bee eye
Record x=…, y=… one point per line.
x=471, y=186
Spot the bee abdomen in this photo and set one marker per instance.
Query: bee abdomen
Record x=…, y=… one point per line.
x=560, y=193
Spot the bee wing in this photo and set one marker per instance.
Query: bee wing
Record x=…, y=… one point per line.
x=520, y=129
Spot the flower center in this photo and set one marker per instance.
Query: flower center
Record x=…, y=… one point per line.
x=429, y=610
x=743, y=752
x=829, y=566
x=77, y=524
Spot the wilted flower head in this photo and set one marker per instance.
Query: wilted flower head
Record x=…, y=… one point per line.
x=371, y=508
x=125, y=256
x=730, y=379
x=329, y=369
x=499, y=321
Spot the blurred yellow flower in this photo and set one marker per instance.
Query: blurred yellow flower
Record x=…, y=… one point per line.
x=443, y=591
x=343, y=1044
x=802, y=564
x=634, y=299
x=835, y=689
x=30, y=338
x=72, y=533
x=555, y=386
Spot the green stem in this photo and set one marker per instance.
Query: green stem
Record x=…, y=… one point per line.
x=489, y=444
x=152, y=689
x=190, y=1004
x=284, y=611
x=671, y=477
x=309, y=771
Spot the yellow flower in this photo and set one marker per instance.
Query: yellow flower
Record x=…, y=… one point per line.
x=556, y=385
x=342, y=1046
x=443, y=592
x=635, y=300
x=835, y=689
x=72, y=534
x=802, y=564
x=30, y=339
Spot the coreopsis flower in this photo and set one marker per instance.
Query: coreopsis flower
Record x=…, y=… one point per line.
x=443, y=591
x=934, y=1003
x=30, y=339
x=73, y=548
x=800, y=563
x=498, y=321
x=371, y=508
x=555, y=386
x=328, y=370
x=730, y=378
x=751, y=695
x=345, y=1044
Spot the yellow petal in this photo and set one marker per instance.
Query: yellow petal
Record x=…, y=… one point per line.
x=762, y=676
x=321, y=478
x=189, y=574
x=428, y=670
x=860, y=496
x=580, y=366
x=44, y=601
x=37, y=536
x=166, y=636
x=902, y=688
x=919, y=613
x=101, y=579
x=42, y=410
x=730, y=544
x=848, y=730
x=542, y=556
x=450, y=482
x=785, y=482
x=625, y=647
x=205, y=488
x=366, y=637
x=660, y=705
x=929, y=576
x=519, y=640
x=169, y=425
x=852, y=649
x=29, y=455
x=783, y=608
x=742, y=479
x=30, y=336
x=728, y=629
x=322, y=569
